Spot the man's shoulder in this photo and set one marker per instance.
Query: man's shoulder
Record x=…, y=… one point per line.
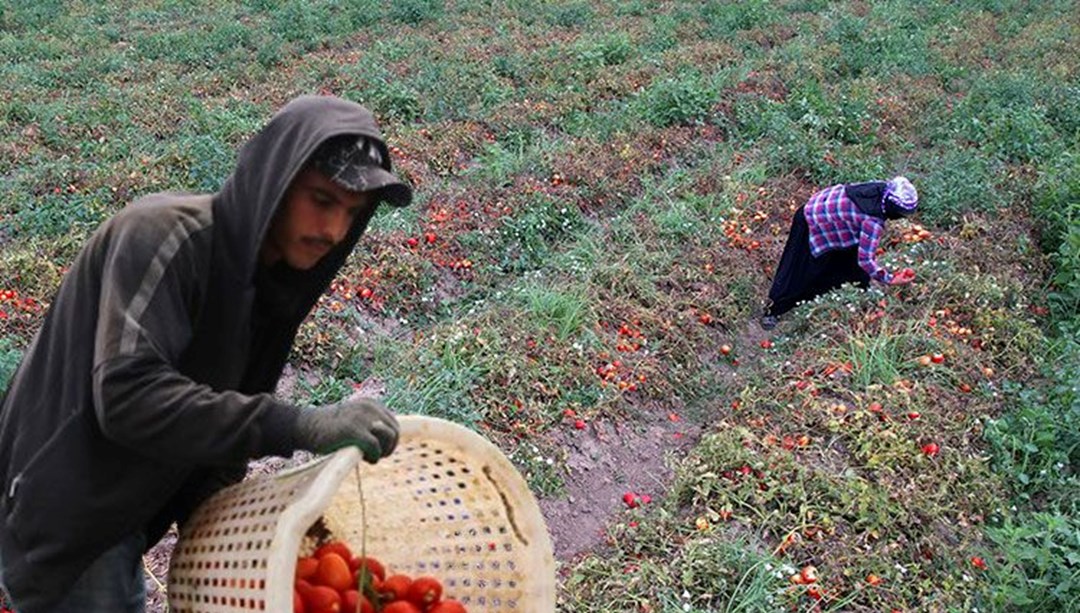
x=152, y=221
x=168, y=205
x=162, y=214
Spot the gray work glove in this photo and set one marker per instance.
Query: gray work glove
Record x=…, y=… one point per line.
x=363, y=422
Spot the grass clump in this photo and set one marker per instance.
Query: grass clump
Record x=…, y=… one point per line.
x=602, y=193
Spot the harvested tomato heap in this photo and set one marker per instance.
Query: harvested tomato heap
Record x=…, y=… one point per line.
x=333, y=580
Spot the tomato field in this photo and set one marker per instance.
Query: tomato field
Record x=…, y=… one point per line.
x=603, y=190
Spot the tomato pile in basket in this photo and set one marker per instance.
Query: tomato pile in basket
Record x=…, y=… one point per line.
x=333, y=580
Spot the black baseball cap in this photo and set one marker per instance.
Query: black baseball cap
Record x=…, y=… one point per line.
x=361, y=164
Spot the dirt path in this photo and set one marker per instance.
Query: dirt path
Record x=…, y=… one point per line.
x=605, y=461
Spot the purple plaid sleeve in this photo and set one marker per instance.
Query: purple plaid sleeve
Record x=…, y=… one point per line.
x=836, y=223
x=869, y=237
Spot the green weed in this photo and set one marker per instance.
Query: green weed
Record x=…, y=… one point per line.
x=574, y=14
x=1036, y=446
x=10, y=357
x=1057, y=201
x=529, y=238
x=678, y=101
x=567, y=312
x=499, y=163
x=1035, y=565
x=724, y=19
x=396, y=101
x=608, y=50
x=1065, y=294
x=592, y=175
x=542, y=472
x=35, y=265
x=709, y=571
x=416, y=12
x=30, y=17
x=437, y=378
x=957, y=183
x=325, y=390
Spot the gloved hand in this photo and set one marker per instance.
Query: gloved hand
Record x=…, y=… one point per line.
x=363, y=422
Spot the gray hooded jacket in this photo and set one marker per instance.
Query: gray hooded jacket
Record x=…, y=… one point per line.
x=147, y=386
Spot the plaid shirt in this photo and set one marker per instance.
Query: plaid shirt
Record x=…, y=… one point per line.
x=836, y=223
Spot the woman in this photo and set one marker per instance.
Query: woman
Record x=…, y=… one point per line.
x=833, y=239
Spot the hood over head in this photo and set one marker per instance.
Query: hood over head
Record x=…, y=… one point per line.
x=267, y=164
x=270, y=303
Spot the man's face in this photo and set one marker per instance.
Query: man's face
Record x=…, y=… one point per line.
x=315, y=215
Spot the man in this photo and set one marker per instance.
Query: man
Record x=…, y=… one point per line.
x=149, y=385
x=833, y=240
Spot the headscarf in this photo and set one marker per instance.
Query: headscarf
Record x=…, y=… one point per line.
x=901, y=199
x=890, y=199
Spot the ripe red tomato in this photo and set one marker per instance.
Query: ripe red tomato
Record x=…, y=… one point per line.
x=322, y=599
x=424, y=591
x=338, y=547
x=372, y=565
x=401, y=606
x=303, y=587
x=350, y=599
x=369, y=580
x=353, y=601
x=297, y=602
x=333, y=571
x=306, y=567
x=448, y=606
x=396, y=587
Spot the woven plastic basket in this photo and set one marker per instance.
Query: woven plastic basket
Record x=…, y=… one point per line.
x=446, y=503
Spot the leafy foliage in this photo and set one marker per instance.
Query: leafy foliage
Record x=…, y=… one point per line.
x=603, y=190
x=9, y=361
x=679, y=101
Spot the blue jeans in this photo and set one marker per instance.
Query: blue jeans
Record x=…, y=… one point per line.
x=114, y=583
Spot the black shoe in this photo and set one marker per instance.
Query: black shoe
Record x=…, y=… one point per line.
x=768, y=322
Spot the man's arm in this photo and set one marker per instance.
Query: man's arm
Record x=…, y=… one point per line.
x=150, y=285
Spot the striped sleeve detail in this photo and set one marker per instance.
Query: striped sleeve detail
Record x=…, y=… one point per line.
x=154, y=273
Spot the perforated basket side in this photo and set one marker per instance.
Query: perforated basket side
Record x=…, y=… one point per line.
x=237, y=552
x=448, y=503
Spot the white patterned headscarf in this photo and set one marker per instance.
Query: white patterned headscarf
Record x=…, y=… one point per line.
x=901, y=198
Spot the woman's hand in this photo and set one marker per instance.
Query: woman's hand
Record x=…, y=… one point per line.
x=902, y=277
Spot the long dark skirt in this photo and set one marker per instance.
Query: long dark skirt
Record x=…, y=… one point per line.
x=800, y=276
